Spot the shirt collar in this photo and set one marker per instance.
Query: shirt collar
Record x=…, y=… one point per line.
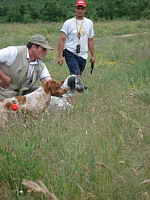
x=33, y=62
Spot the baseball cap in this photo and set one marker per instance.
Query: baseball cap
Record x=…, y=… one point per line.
x=40, y=40
x=81, y=3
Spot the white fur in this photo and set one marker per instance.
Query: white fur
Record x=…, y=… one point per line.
x=61, y=103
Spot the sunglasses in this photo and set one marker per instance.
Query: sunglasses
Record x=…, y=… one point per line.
x=44, y=49
x=80, y=8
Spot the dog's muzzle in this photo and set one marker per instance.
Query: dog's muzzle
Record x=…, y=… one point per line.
x=81, y=89
x=85, y=87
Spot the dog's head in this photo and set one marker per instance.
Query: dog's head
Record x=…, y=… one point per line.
x=54, y=88
x=74, y=83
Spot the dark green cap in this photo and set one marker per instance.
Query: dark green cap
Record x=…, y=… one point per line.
x=40, y=40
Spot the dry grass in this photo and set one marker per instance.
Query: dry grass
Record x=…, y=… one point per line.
x=38, y=187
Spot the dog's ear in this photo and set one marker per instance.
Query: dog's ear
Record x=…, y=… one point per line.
x=51, y=86
x=54, y=87
x=46, y=86
x=61, y=83
x=71, y=82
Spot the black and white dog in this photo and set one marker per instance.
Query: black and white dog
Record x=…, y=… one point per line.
x=74, y=84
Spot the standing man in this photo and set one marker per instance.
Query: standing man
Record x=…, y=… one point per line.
x=22, y=66
x=76, y=38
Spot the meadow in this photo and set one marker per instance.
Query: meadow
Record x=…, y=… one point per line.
x=101, y=149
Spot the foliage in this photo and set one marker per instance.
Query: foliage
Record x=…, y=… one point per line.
x=55, y=11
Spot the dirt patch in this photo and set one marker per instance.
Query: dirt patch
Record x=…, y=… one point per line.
x=122, y=36
x=127, y=35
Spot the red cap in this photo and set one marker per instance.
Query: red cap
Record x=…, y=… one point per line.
x=81, y=3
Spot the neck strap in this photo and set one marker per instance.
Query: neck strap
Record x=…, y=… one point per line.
x=79, y=31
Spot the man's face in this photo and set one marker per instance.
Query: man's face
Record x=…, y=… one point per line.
x=39, y=52
x=80, y=11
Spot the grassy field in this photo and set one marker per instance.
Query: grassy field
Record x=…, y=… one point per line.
x=101, y=149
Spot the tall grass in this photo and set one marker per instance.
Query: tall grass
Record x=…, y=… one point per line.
x=100, y=150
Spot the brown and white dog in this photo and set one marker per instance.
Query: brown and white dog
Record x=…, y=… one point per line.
x=36, y=101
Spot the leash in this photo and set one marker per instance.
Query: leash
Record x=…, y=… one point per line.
x=92, y=67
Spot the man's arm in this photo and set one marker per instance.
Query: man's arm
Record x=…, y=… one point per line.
x=60, y=48
x=91, y=48
x=4, y=79
x=7, y=56
x=44, y=80
x=45, y=75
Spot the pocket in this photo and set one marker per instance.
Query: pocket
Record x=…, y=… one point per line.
x=69, y=56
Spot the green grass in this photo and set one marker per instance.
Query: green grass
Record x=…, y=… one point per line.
x=76, y=153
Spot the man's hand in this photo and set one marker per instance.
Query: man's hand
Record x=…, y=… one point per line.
x=92, y=60
x=60, y=60
x=4, y=83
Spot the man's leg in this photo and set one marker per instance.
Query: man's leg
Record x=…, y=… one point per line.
x=72, y=63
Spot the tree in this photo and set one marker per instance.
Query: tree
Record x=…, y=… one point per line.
x=53, y=11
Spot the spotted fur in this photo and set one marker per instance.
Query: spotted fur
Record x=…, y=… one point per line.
x=37, y=101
